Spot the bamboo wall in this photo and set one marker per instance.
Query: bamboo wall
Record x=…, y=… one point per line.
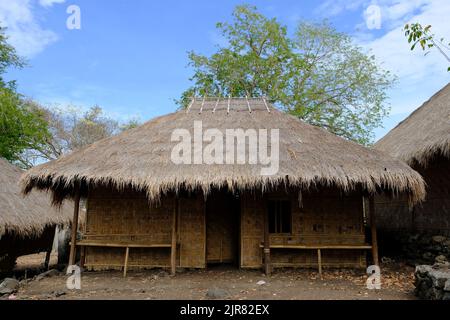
x=127, y=216
x=432, y=216
x=324, y=218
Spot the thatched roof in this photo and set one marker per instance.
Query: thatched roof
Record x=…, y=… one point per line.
x=309, y=156
x=424, y=134
x=26, y=216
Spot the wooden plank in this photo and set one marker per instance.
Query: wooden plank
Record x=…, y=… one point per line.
x=127, y=252
x=173, y=250
x=312, y=247
x=319, y=262
x=373, y=230
x=74, y=228
x=122, y=245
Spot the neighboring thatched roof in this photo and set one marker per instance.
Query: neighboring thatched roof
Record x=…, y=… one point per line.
x=141, y=157
x=26, y=216
x=424, y=134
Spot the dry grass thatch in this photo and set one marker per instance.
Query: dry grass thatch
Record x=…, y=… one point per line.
x=309, y=156
x=424, y=134
x=25, y=216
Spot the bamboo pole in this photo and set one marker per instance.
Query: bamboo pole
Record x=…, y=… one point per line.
x=74, y=227
x=319, y=261
x=125, y=267
x=173, y=250
x=373, y=230
x=266, y=244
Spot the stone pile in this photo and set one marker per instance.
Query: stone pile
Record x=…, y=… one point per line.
x=433, y=282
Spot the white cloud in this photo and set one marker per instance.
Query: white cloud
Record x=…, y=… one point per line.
x=419, y=76
x=336, y=7
x=23, y=29
x=49, y=3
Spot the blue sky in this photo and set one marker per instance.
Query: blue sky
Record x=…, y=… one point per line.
x=130, y=57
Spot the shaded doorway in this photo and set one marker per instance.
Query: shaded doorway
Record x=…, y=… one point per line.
x=222, y=228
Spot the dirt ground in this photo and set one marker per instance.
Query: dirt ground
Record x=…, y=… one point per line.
x=288, y=284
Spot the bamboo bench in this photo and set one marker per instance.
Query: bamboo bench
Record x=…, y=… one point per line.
x=126, y=245
x=319, y=249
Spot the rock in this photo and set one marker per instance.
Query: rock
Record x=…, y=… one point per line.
x=441, y=259
x=216, y=293
x=447, y=286
x=49, y=273
x=261, y=283
x=59, y=293
x=9, y=286
x=439, y=239
x=432, y=282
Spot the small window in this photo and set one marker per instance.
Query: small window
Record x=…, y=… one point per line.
x=280, y=216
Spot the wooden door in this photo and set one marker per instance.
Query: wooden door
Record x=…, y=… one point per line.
x=222, y=228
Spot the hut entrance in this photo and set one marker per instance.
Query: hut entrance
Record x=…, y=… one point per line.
x=222, y=228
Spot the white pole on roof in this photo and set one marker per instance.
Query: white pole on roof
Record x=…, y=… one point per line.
x=265, y=103
x=190, y=105
x=248, y=104
x=217, y=103
x=229, y=101
x=203, y=103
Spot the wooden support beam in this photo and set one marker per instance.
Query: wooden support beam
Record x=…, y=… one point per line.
x=74, y=227
x=173, y=250
x=125, y=265
x=373, y=230
x=319, y=262
x=267, y=266
x=47, y=259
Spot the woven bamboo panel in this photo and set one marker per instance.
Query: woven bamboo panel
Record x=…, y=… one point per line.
x=308, y=258
x=325, y=217
x=430, y=216
x=192, y=232
x=252, y=230
x=127, y=217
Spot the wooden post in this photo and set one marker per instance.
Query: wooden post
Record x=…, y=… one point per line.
x=267, y=266
x=173, y=250
x=319, y=261
x=47, y=259
x=373, y=230
x=74, y=227
x=125, y=267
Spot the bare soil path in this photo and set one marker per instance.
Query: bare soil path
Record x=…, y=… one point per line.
x=397, y=284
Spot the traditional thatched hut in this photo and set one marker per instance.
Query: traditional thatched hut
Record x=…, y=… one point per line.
x=143, y=210
x=27, y=225
x=423, y=141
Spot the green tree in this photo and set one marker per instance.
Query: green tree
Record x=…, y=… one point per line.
x=21, y=127
x=71, y=130
x=317, y=74
x=419, y=35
